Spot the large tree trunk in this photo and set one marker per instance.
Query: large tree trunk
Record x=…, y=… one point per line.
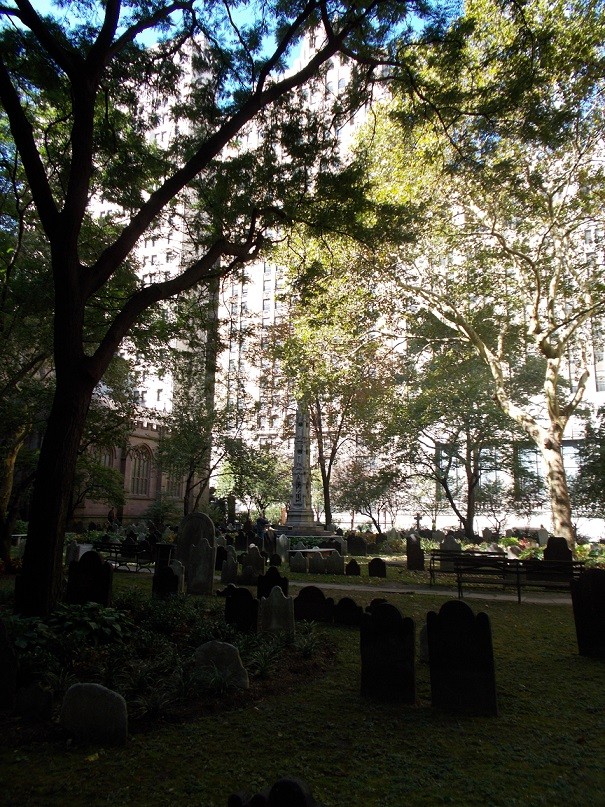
x=8, y=514
x=558, y=491
x=40, y=585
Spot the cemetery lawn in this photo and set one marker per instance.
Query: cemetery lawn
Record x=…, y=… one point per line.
x=546, y=747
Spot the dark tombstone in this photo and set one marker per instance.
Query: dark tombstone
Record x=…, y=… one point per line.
x=588, y=598
x=347, y=612
x=265, y=583
x=357, y=545
x=414, y=554
x=388, y=649
x=557, y=549
x=163, y=553
x=192, y=529
x=164, y=583
x=461, y=660
x=241, y=541
x=376, y=601
x=353, y=569
x=312, y=604
x=377, y=568
x=275, y=560
x=286, y=792
x=221, y=557
x=241, y=609
x=89, y=579
x=8, y=671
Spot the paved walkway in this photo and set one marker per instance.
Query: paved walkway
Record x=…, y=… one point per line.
x=534, y=597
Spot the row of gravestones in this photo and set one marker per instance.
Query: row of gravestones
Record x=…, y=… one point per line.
x=335, y=564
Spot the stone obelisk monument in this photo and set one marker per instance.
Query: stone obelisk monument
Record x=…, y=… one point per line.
x=300, y=514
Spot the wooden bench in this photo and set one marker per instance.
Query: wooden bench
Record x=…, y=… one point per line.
x=442, y=561
x=518, y=573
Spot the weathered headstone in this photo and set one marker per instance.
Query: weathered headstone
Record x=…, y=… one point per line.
x=179, y=570
x=377, y=568
x=91, y=713
x=223, y=659
x=347, y=612
x=335, y=564
x=353, y=569
x=357, y=545
x=89, y=579
x=414, y=553
x=276, y=613
x=312, y=604
x=200, y=568
x=165, y=583
x=255, y=561
x=317, y=564
x=8, y=671
x=449, y=544
x=229, y=570
x=298, y=563
x=241, y=609
x=388, y=655
x=282, y=546
x=588, y=598
x=266, y=582
x=487, y=535
x=286, y=792
x=192, y=529
x=220, y=558
x=461, y=660
x=75, y=551
x=557, y=549
x=542, y=536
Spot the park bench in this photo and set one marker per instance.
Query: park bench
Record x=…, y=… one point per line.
x=442, y=561
x=476, y=570
x=128, y=557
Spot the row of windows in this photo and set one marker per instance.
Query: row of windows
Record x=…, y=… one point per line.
x=141, y=470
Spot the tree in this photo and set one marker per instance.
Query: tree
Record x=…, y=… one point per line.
x=259, y=476
x=71, y=91
x=361, y=488
x=513, y=217
x=588, y=488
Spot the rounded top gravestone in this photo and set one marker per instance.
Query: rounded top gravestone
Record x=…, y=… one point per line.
x=192, y=529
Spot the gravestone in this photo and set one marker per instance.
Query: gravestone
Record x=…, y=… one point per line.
x=179, y=570
x=588, y=598
x=223, y=659
x=461, y=660
x=388, y=648
x=220, y=558
x=487, y=535
x=377, y=568
x=229, y=570
x=255, y=561
x=542, y=536
x=286, y=792
x=557, y=549
x=163, y=553
x=376, y=601
x=449, y=544
x=266, y=582
x=347, y=612
x=192, y=529
x=241, y=609
x=317, y=564
x=89, y=579
x=220, y=540
x=276, y=613
x=164, y=583
x=335, y=564
x=275, y=560
x=8, y=671
x=353, y=569
x=357, y=545
x=312, y=604
x=200, y=568
x=282, y=546
x=91, y=713
x=75, y=551
x=298, y=563
x=414, y=554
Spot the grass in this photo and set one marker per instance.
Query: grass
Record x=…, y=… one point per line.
x=547, y=747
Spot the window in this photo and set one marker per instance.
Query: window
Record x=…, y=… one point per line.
x=141, y=471
x=174, y=486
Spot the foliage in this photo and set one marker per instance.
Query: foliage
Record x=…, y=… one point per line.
x=588, y=487
x=258, y=475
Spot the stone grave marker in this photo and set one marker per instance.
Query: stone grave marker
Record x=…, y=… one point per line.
x=449, y=544
x=588, y=599
x=461, y=660
x=414, y=553
x=557, y=549
x=241, y=609
x=75, y=551
x=89, y=579
x=317, y=564
x=221, y=658
x=275, y=560
x=200, y=568
x=312, y=604
x=179, y=570
x=192, y=529
x=376, y=601
x=487, y=535
x=286, y=792
x=388, y=650
x=298, y=563
x=357, y=545
x=276, y=613
x=221, y=557
x=164, y=583
x=229, y=570
x=255, y=561
x=220, y=540
x=335, y=564
x=377, y=568
x=542, y=536
x=266, y=582
x=353, y=569
x=282, y=546
x=91, y=713
x=347, y=612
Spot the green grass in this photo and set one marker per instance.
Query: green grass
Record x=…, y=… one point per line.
x=547, y=747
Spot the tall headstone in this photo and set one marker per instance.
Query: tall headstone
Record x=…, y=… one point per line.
x=192, y=529
x=300, y=512
x=388, y=655
x=89, y=579
x=461, y=660
x=377, y=568
x=312, y=604
x=229, y=570
x=299, y=563
x=353, y=569
x=282, y=546
x=414, y=553
x=200, y=568
x=276, y=613
x=588, y=598
x=241, y=609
